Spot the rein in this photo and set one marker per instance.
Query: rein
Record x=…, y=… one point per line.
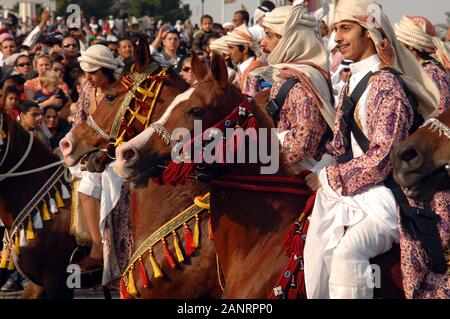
x=15, y=237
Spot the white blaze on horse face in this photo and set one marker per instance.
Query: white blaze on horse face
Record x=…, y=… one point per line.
x=140, y=140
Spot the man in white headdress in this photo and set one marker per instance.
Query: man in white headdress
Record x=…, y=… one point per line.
x=299, y=60
x=355, y=216
x=244, y=51
x=99, y=193
x=257, y=30
x=220, y=46
x=419, y=36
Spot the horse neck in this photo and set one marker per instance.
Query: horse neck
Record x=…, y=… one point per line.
x=16, y=192
x=264, y=122
x=154, y=205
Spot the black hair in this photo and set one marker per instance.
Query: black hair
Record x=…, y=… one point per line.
x=12, y=90
x=50, y=107
x=125, y=39
x=250, y=51
x=174, y=31
x=268, y=4
x=245, y=15
x=26, y=105
x=18, y=79
x=109, y=73
x=206, y=16
x=23, y=56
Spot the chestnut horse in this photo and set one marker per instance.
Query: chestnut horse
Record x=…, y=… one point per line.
x=153, y=206
x=422, y=161
x=45, y=258
x=248, y=227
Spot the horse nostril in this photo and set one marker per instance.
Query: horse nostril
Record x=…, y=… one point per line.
x=130, y=155
x=65, y=145
x=408, y=154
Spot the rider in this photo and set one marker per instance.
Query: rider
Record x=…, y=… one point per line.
x=101, y=70
x=419, y=36
x=355, y=216
x=297, y=53
x=244, y=53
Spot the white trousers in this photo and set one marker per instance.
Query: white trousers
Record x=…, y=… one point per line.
x=351, y=272
x=337, y=261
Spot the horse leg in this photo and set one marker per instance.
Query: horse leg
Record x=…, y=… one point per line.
x=57, y=288
x=33, y=291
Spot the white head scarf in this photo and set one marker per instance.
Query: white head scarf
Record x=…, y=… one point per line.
x=99, y=56
x=242, y=36
x=300, y=43
x=219, y=45
x=392, y=53
x=419, y=33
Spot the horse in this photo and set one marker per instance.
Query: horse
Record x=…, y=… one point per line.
x=151, y=206
x=422, y=161
x=26, y=199
x=248, y=227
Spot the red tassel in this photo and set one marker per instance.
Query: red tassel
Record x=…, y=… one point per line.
x=123, y=290
x=301, y=287
x=169, y=255
x=189, y=242
x=292, y=289
x=289, y=235
x=251, y=126
x=177, y=173
x=210, y=232
x=143, y=273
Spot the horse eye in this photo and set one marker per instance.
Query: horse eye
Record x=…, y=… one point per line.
x=110, y=97
x=196, y=112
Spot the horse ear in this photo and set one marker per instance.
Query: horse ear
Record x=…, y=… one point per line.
x=142, y=54
x=219, y=70
x=198, y=68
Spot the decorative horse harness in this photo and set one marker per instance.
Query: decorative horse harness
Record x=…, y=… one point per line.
x=133, y=82
x=49, y=196
x=438, y=127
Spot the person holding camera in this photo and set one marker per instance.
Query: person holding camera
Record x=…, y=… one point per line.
x=170, y=39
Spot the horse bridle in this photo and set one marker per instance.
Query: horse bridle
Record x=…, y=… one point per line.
x=133, y=84
x=436, y=126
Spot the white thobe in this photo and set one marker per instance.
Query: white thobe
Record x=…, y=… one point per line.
x=370, y=216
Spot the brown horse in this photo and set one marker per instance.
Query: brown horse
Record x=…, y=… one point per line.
x=248, y=227
x=128, y=108
x=422, y=161
x=154, y=206
x=43, y=260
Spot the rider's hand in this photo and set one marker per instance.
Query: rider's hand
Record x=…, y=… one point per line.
x=313, y=182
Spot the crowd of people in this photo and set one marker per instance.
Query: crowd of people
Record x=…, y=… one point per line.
x=50, y=74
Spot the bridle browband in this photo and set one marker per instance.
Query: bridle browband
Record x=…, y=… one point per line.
x=436, y=126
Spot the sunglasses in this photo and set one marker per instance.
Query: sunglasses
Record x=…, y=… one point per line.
x=24, y=64
x=70, y=46
x=186, y=69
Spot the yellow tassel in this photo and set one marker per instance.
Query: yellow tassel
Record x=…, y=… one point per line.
x=4, y=257
x=59, y=200
x=11, y=262
x=131, y=285
x=157, y=273
x=178, y=251
x=45, y=213
x=196, y=235
x=16, y=244
x=30, y=232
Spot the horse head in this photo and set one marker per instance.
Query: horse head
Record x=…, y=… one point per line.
x=212, y=98
x=128, y=106
x=421, y=162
